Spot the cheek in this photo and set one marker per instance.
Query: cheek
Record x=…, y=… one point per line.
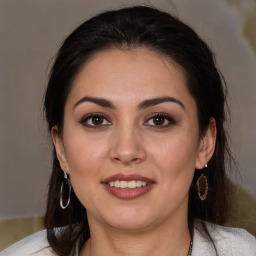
x=84, y=155
x=175, y=156
x=86, y=161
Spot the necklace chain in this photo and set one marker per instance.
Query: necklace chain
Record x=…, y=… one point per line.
x=190, y=248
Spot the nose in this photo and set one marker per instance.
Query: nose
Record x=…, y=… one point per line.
x=127, y=147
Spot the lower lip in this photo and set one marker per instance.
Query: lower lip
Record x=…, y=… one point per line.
x=128, y=193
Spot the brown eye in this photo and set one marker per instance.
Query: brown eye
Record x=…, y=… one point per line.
x=95, y=121
x=160, y=120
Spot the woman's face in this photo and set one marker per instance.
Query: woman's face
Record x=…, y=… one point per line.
x=130, y=122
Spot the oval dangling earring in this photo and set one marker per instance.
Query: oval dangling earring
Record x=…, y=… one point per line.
x=202, y=186
x=65, y=183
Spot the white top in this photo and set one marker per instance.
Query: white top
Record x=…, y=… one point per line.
x=228, y=241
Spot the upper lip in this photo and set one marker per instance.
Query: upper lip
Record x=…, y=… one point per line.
x=127, y=177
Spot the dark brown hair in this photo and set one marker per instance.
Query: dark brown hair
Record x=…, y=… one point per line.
x=160, y=32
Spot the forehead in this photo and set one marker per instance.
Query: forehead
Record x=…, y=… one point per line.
x=139, y=73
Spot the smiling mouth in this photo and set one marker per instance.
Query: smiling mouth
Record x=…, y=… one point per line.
x=129, y=186
x=123, y=184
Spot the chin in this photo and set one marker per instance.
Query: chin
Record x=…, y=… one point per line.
x=130, y=225
x=130, y=220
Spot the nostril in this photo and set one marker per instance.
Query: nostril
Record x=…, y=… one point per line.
x=127, y=160
x=127, y=151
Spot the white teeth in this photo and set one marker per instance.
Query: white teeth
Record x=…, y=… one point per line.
x=132, y=184
x=138, y=183
x=123, y=184
x=127, y=184
x=116, y=184
x=143, y=183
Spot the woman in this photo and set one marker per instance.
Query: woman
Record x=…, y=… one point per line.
x=136, y=109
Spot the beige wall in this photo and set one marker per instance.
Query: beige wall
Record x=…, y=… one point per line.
x=30, y=33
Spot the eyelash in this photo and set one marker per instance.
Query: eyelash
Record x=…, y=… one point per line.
x=167, y=118
x=85, y=120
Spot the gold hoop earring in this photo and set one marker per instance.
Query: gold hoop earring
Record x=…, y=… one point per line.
x=65, y=183
x=202, y=186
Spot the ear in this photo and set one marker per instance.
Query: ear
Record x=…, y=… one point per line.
x=59, y=148
x=207, y=145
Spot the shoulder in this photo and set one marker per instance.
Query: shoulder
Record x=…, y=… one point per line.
x=35, y=245
x=228, y=241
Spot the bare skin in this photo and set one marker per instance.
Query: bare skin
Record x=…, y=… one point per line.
x=130, y=113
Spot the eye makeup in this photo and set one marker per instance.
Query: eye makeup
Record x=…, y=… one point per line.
x=160, y=120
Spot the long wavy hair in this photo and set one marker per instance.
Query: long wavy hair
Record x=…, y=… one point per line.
x=160, y=32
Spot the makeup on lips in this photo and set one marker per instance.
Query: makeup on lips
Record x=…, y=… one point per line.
x=128, y=186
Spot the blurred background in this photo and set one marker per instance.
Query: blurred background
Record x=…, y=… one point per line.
x=31, y=32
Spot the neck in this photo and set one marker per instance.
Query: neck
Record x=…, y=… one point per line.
x=166, y=240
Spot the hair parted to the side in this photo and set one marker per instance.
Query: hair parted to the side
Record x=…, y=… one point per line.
x=126, y=29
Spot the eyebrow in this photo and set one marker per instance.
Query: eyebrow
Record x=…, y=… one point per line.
x=99, y=101
x=145, y=104
x=156, y=101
